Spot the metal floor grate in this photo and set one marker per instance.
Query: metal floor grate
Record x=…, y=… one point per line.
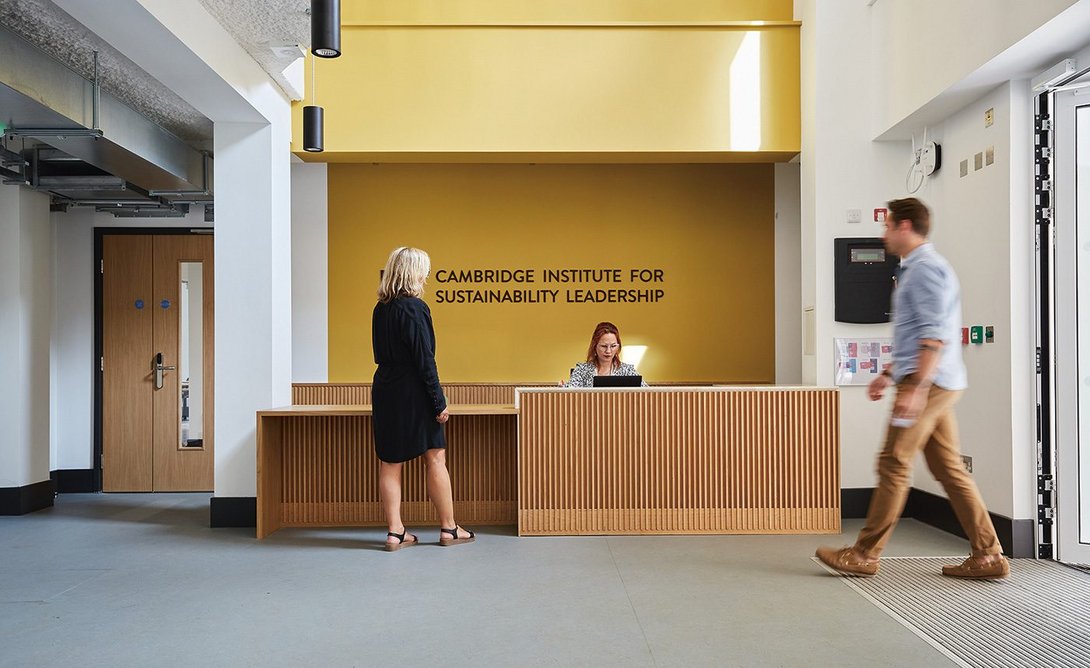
x=1040, y=616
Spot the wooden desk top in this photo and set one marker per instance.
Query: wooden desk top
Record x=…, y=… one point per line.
x=365, y=409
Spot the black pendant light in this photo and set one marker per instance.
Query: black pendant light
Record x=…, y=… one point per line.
x=313, y=129
x=325, y=28
x=313, y=118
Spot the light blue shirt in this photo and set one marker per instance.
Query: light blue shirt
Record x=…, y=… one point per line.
x=927, y=305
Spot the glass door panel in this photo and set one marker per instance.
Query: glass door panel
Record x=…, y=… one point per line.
x=191, y=354
x=1071, y=114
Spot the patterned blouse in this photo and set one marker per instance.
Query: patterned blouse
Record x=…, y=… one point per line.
x=583, y=374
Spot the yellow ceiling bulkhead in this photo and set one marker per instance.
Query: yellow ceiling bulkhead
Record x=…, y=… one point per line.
x=566, y=81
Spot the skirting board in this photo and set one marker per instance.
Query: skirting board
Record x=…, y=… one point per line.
x=232, y=511
x=74, y=481
x=1016, y=536
x=27, y=499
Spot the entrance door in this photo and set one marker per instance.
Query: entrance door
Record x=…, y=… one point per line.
x=1071, y=123
x=157, y=344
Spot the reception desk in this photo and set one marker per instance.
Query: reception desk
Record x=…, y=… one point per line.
x=678, y=461
x=663, y=460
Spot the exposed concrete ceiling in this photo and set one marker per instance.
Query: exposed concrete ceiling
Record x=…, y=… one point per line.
x=57, y=34
x=274, y=32
x=149, y=162
x=257, y=25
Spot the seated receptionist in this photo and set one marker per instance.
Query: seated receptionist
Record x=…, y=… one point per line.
x=603, y=358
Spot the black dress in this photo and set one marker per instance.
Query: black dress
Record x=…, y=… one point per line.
x=406, y=396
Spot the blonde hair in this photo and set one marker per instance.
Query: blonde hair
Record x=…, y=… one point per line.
x=405, y=274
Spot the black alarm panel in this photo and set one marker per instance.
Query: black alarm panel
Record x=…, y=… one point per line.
x=864, y=276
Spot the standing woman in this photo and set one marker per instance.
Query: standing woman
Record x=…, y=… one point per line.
x=408, y=404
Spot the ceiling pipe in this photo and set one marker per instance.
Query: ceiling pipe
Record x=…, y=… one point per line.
x=97, y=91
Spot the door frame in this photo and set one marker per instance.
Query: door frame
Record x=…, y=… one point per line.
x=1071, y=427
x=96, y=360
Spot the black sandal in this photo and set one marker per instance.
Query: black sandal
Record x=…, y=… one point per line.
x=455, y=540
x=394, y=547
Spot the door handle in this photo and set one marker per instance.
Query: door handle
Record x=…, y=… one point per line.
x=157, y=364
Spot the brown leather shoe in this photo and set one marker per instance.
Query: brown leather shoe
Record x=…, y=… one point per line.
x=847, y=561
x=976, y=568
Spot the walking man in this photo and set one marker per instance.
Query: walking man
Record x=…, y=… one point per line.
x=928, y=377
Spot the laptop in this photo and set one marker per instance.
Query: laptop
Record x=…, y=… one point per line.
x=618, y=381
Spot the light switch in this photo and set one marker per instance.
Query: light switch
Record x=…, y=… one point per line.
x=855, y=215
x=976, y=334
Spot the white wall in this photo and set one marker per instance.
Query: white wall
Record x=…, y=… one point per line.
x=984, y=226
x=788, y=274
x=841, y=169
x=73, y=360
x=309, y=273
x=253, y=290
x=924, y=47
x=982, y=223
x=26, y=313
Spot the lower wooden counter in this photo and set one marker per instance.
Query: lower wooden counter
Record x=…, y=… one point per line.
x=678, y=461
x=316, y=466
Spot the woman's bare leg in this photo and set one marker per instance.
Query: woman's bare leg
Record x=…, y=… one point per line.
x=389, y=489
x=439, y=486
x=439, y=489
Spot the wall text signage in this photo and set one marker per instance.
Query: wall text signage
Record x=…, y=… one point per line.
x=550, y=286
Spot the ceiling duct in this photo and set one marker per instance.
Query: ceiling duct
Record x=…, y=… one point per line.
x=12, y=167
x=123, y=211
x=73, y=182
x=121, y=158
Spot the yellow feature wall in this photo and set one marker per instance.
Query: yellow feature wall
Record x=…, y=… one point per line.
x=708, y=230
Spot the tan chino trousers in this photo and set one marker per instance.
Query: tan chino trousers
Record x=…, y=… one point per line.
x=936, y=433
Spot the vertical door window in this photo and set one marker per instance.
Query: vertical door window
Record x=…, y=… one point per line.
x=191, y=354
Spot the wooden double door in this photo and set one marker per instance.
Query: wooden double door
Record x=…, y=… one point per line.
x=157, y=362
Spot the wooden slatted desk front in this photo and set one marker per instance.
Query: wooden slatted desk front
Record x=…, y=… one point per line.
x=316, y=466
x=677, y=460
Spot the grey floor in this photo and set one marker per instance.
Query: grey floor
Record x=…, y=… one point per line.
x=137, y=580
